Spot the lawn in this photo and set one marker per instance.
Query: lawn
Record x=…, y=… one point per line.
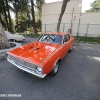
x=88, y=39
x=31, y=35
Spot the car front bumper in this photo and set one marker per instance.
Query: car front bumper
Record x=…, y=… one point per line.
x=26, y=69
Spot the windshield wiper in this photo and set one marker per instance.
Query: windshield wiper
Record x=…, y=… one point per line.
x=52, y=38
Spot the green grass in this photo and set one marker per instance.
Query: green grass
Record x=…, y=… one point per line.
x=88, y=39
x=31, y=35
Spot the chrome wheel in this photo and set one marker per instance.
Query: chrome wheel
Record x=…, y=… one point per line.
x=55, y=69
x=71, y=48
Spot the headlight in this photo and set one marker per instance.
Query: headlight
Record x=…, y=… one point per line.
x=39, y=70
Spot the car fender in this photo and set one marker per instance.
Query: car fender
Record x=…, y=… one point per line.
x=50, y=62
x=57, y=60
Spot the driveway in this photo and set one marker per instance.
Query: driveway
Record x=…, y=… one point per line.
x=78, y=78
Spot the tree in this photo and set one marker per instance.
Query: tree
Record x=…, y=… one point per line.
x=5, y=14
x=33, y=16
x=16, y=8
x=95, y=6
x=19, y=8
x=9, y=17
x=61, y=14
x=39, y=4
x=24, y=10
x=3, y=39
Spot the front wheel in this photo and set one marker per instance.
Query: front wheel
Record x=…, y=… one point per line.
x=55, y=69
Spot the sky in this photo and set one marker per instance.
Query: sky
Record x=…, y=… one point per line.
x=85, y=3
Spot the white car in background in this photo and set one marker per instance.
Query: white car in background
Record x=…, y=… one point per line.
x=14, y=37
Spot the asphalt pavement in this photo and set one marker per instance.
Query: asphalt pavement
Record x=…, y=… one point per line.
x=78, y=78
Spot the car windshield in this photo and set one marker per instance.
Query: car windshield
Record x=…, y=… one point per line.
x=56, y=39
x=7, y=33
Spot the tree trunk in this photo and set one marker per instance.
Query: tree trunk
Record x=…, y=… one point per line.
x=33, y=16
x=61, y=14
x=16, y=13
x=5, y=14
x=9, y=17
x=3, y=39
x=17, y=18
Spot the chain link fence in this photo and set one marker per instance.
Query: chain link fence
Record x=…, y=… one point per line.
x=85, y=30
x=90, y=30
x=53, y=27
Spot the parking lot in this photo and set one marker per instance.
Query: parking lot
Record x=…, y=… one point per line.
x=78, y=78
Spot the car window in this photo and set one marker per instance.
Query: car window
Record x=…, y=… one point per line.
x=56, y=39
x=66, y=37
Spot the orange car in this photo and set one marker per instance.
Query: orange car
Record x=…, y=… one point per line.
x=43, y=56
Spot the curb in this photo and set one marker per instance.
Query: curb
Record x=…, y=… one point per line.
x=3, y=54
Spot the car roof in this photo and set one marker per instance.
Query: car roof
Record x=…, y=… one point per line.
x=7, y=32
x=56, y=33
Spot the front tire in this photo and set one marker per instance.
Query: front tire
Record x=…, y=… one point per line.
x=55, y=69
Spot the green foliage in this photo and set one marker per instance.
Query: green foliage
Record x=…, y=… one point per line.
x=22, y=18
x=2, y=19
x=39, y=9
x=29, y=29
x=88, y=39
x=5, y=14
x=27, y=34
x=95, y=6
x=20, y=28
x=39, y=24
x=33, y=35
x=23, y=14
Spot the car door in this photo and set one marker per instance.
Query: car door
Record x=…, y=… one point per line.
x=66, y=45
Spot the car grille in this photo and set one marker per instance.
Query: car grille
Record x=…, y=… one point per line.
x=22, y=62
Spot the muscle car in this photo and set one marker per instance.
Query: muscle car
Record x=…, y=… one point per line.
x=43, y=56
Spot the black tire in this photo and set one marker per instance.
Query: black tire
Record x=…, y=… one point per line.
x=55, y=69
x=71, y=49
x=12, y=40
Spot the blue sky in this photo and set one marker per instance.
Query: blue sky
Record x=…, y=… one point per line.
x=85, y=3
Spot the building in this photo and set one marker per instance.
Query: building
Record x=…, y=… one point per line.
x=81, y=23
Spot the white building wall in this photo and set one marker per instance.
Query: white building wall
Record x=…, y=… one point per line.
x=50, y=15
x=51, y=11
x=90, y=21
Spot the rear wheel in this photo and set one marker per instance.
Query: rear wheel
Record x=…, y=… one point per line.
x=71, y=48
x=55, y=69
x=11, y=40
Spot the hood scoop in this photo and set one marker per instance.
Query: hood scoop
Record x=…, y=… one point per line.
x=30, y=48
x=36, y=49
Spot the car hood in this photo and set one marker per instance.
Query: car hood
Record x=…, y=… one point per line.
x=35, y=52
